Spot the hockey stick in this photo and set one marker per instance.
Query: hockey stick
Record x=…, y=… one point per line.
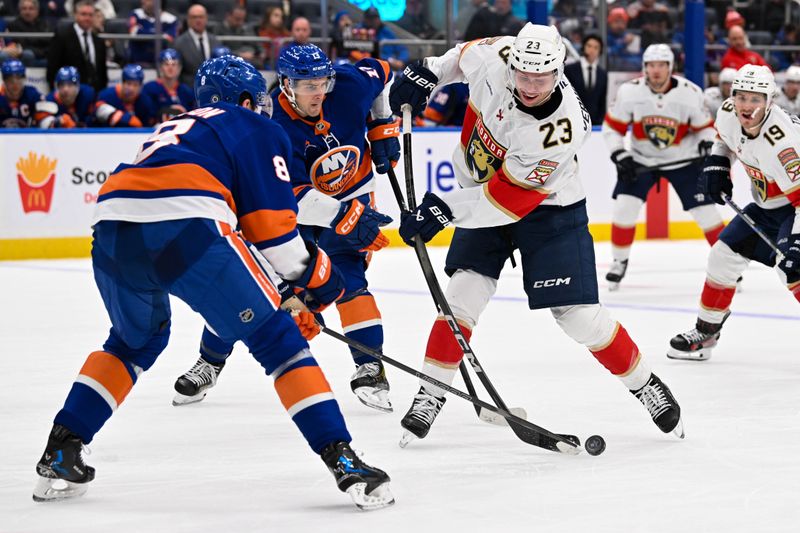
x=750, y=222
x=644, y=170
x=527, y=432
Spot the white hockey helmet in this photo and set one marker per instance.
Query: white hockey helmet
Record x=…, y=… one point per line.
x=537, y=48
x=756, y=79
x=727, y=75
x=793, y=73
x=658, y=52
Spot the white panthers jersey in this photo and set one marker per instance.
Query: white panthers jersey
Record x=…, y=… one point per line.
x=771, y=160
x=791, y=106
x=665, y=127
x=713, y=100
x=510, y=159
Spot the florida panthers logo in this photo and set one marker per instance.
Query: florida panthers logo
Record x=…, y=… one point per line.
x=660, y=130
x=757, y=179
x=482, y=154
x=335, y=170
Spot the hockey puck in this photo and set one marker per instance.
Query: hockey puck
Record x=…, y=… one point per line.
x=595, y=445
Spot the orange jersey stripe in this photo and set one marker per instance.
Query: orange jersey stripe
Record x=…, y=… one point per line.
x=617, y=125
x=794, y=197
x=357, y=310
x=110, y=372
x=180, y=176
x=266, y=224
x=512, y=199
x=266, y=285
x=299, y=384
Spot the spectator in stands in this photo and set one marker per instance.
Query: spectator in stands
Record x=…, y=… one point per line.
x=34, y=50
x=168, y=94
x=272, y=26
x=300, y=31
x=652, y=19
x=19, y=103
x=349, y=44
x=99, y=26
x=77, y=45
x=195, y=45
x=493, y=21
x=53, y=11
x=73, y=102
x=788, y=97
x=235, y=23
x=465, y=14
x=624, y=47
x=124, y=105
x=788, y=36
x=394, y=54
x=415, y=20
x=733, y=18
x=589, y=79
x=738, y=54
x=106, y=6
x=142, y=21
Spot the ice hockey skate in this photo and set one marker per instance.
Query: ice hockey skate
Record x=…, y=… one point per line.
x=616, y=273
x=193, y=386
x=419, y=418
x=695, y=344
x=62, y=472
x=371, y=387
x=663, y=409
x=367, y=486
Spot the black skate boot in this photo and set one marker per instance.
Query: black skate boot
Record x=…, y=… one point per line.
x=661, y=405
x=420, y=416
x=697, y=343
x=192, y=386
x=370, y=385
x=616, y=273
x=367, y=486
x=62, y=472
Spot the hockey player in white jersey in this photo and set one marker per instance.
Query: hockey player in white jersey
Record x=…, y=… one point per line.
x=669, y=122
x=518, y=170
x=788, y=97
x=714, y=96
x=767, y=142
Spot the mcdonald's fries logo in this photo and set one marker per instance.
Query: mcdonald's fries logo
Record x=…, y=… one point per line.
x=36, y=177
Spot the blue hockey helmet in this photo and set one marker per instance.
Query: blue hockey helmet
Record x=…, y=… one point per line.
x=304, y=62
x=68, y=75
x=133, y=72
x=169, y=54
x=220, y=51
x=13, y=67
x=230, y=79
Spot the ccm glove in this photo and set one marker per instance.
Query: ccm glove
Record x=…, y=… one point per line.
x=704, y=148
x=791, y=257
x=413, y=87
x=626, y=166
x=428, y=219
x=322, y=281
x=361, y=226
x=384, y=142
x=716, y=178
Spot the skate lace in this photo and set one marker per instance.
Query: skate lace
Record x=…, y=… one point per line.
x=367, y=369
x=426, y=407
x=694, y=336
x=654, y=399
x=201, y=373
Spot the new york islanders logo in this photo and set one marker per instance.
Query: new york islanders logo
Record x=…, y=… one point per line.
x=335, y=170
x=36, y=177
x=660, y=130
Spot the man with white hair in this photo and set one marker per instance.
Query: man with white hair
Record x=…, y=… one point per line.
x=766, y=140
x=518, y=170
x=788, y=98
x=670, y=124
x=714, y=96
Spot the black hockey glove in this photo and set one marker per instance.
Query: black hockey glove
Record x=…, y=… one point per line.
x=704, y=148
x=413, y=87
x=361, y=226
x=384, y=142
x=791, y=257
x=716, y=178
x=428, y=219
x=626, y=166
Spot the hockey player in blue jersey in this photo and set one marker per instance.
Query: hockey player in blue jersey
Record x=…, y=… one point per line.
x=168, y=94
x=71, y=103
x=446, y=107
x=124, y=105
x=166, y=225
x=331, y=171
x=18, y=102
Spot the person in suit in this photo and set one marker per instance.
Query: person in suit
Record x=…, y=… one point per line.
x=195, y=44
x=590, y=79
x=78, y=46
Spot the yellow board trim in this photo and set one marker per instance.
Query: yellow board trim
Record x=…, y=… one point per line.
x=69, y=247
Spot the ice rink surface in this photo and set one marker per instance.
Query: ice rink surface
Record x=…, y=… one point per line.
x=235, y=463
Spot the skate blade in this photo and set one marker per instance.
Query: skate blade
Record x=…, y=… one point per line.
x=182, y=399
x=380, y=497
x=51, y=490
x=407, y=438
x=613, y=286
x=703, y=354
x=678, y=431
x=491, y=417
x=378, y=400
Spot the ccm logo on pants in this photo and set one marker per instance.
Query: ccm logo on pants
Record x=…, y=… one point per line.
x=551, y=282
